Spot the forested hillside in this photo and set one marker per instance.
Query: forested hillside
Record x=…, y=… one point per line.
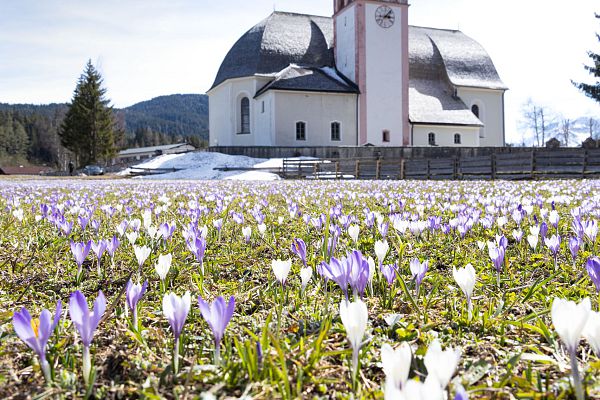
x=29, y=133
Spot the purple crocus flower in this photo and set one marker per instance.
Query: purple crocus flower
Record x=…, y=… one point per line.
x=86, y=323
x=176, y=310
x=497, y=256
x=83, y=221
x=543, y=230
x=574, y=245
x=553, y=244
x=299, y=248
x=99, y=249
x=80, y=252
x=36, y=332
x=217, y=315
x=133, y=294
x=389, y=273
x=95, y=224
x=383, y=228
x=358, y=272
x=418, y=270
x=166, y=230
x=112, y=245
x=337, y=271
x=593, y=268
x=197, y=246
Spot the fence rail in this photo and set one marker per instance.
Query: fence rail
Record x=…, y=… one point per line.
x=536, y=164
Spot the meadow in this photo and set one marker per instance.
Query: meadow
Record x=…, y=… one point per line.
x=364, y=290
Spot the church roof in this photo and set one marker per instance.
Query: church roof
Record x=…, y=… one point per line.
x=278, y=41
x=312, y=79
x=286, y=38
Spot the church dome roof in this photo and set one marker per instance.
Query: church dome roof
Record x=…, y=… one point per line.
x=278, y=41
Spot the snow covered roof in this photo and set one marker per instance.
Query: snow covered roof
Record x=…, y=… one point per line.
x=286, y=38
x=153, y=149
x=299, y=78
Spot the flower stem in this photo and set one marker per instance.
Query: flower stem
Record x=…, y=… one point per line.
x=354, y=367
x=46, y=370
x=87, y=365
x=218, y=354
x=576, y=378
x=176, y=356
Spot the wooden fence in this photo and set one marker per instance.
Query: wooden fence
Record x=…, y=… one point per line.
x=536, y=164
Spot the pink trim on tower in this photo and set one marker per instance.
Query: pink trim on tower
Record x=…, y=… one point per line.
x=361, y=70
x=405, y=77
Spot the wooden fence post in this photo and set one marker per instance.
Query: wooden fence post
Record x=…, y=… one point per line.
x=357, y=169
x=378, y=169
x=532, y=163
x=493, y=164
x=402, y=173
x=337, y=170
x=428, y=169
x=585, y=162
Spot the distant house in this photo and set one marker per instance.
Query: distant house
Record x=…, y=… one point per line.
x=143, y=153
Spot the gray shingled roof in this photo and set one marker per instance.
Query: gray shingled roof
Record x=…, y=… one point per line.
x=311, y=79
x=278, y=41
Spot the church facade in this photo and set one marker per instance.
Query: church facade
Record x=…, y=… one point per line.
x=362, y=77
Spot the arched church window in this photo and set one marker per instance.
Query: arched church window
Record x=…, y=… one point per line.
x=475, y=110
x=431, y=139
x=245, y=115
x=457, y=138
x=300, y=130
x=336, y=131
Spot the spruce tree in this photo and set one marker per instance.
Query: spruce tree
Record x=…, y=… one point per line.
x=88, y=129
x=592, y=90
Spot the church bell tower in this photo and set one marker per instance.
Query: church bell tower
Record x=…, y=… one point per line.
x=371, y=49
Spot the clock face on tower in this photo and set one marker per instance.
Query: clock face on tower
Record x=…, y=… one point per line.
x=384, y=16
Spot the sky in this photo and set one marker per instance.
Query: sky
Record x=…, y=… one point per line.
x=149, y=48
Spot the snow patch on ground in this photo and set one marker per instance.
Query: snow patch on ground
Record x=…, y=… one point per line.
x=201, y=166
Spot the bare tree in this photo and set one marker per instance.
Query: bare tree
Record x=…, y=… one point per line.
x=593, y=126
x=565, y=130
x=531, y=121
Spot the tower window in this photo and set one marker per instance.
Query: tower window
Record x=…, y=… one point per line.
x=431, y=139
x=385, y=136
x=457, y=138
x=245, y=115
x=336, y=131
x=300, y=130
x=263, y=107
x=475, y=110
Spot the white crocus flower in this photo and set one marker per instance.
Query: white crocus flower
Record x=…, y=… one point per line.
x=416, y=390
x=281, y=269
x=18, y=214
x=381, y=250
x=132, y=237
x=569, y=320
x=353, y=231
x=305, y=276
x=591, y=332
x=396, y=364
x=163, y=265
x=354, y=317
x=440, y=364
x=262, y=228
x=141, y=254
x=372, y=267
x=533, y=241
x=465, y=278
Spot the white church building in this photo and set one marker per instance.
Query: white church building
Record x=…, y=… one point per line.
x=362, y=77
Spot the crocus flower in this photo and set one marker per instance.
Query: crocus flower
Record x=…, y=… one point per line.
x=299, y=249
x=281, y=269
x=36, y=332
x=197, y=246
x=217, y=315
x=593, y=269
x=99, y=248
x=574, y=245
x=80, y=252
x=86, y=323
x=533, y=241
x=112, y=245
x=354, y=317
x=337, y=271
x=389, y=273
x=353, y=232
x=396, y=364
x=163, y=265
x=569, y=321
x=440, y=364
x=418, y=270
x=497, y=256
x=305, y=276
x=553, y=243
x=141, y=254
x=591, y=332
x=461, y=393
x=132, y=237
x=247, y=232
x=133, y=294
x=465, y=278
x=381, y=250
x=416, y=390
x=166, y=230
x=176, y=310
x=358, y=268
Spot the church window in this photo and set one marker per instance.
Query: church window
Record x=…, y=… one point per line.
x=431, y=139
x=475, y=110
x=385, y=136
x=300, y=130
x=263, y=107
x=245, y=115
x=457, y=138
x=336, y=131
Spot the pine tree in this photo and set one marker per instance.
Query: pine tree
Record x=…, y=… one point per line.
x=88, y=129
x=592, y=90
